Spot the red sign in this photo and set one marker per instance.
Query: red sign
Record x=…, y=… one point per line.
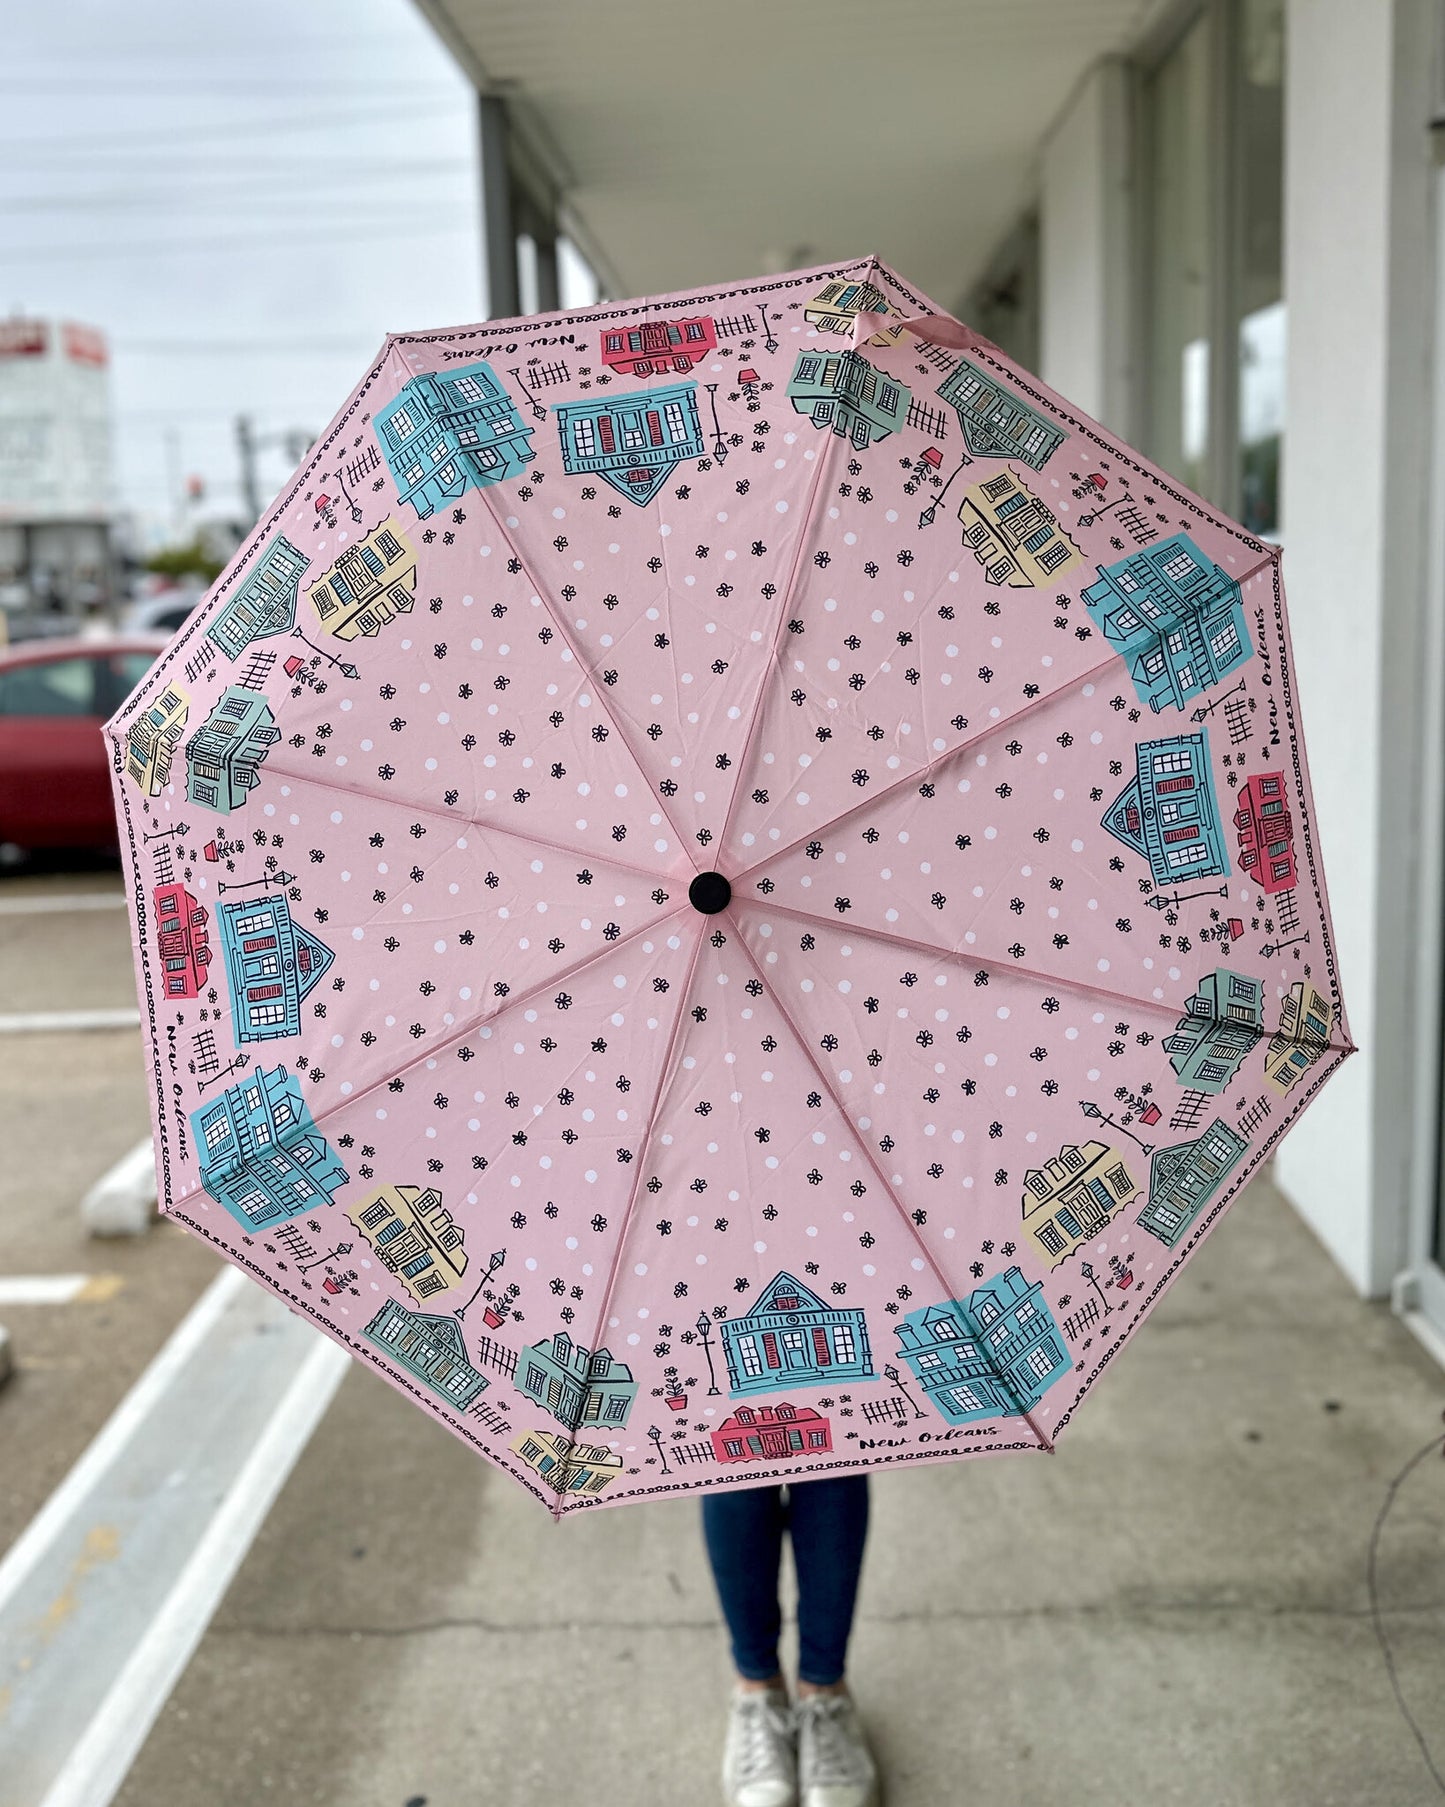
x=84, y=344
x=23, y=338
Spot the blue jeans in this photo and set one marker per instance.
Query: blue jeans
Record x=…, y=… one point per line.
x=828, y=1523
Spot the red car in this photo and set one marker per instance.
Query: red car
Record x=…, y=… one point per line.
x=55, y=695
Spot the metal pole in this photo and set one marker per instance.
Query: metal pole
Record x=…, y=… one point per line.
x=499, y=236
x=246, y=447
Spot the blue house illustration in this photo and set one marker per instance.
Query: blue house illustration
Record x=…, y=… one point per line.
x=1177, y=619
x=225, y=752
x=271, y=963
x=842, y=391
x=994, y=1354
x=994, y=422
x=790, y=1338
x=429, y=1348
x=261, y=1155
x=265, y=603
x=449, y=431
x=575, y=1385
x=1224, y=1020
x=1183, y=1178
x=631, y=441
x=1167, y=812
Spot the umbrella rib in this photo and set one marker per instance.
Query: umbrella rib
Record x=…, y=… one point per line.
x=1045, y=1442
x=771, y=666
x=664, y=1074
x=583, y=664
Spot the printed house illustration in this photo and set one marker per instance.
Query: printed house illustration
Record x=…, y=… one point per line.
x=634, y=442
x=992, y=1355
x=152, y=739
x=182, y=926
x=842, y=391
x=1177, y=619
x=261, y=1155
x=565, y=1466
x=449, y=431
x=995, y=423
x=1264, y=830
x=371, y=583
x=1167, y=811
x=656, y=347
x=765, y=1432
x=578, y=1387
x=1072, y=1196
x=272, y=964
x=264, y=603
x=838, y=304
x=224, y=754
x=1183, y=1178
x=1306, y=1017
x=1225, y=1021
x=430, y=1349
x=1011, y=533
x=790, y=1338
x=412, y=1233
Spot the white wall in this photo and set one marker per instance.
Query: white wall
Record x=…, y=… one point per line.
x=1357, y=282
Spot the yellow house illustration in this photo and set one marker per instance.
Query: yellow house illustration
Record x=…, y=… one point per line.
x=412, y=1233
x=153, y=738
x=568, y=1467
x=838, y=304
x=371, y=583
x=1072, y=1196
x=1306, y=1017
x=1013, y=535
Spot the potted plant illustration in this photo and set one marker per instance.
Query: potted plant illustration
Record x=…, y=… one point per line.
x=493, y=1313
x=674, y=1392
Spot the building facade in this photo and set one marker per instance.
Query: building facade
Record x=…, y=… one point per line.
x=261, y=1155
x=994, y=1354
x=182, y=928
x=449, y=431
x=838, y=304
x=1264, y=829
x=842, y=391
x=1306, y=1019
x=657, y=347
x=272, y=964
x=412, y=1234
x=568, y=1467
x=994, y=422
x=371, y=583
x=1184, y=1177
x=576, y=1385
x=1168, y=813
x=430, y=1349
x=634, y=442
x=1223, y=1021
x=1070, y=1199
x=790, y=1338
x=1177, y=619
x=1011, y=533
x=758, y=1433
x=152, y=739
x=264, y=603
x=224, y=755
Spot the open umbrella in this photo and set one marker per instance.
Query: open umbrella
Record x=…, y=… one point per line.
x=725, y=888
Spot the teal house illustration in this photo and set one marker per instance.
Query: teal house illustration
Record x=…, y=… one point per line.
x=842, y=391
x=994, y=1354
x=449, y=431
x=1185, y=1177
x=224, y=754
x=577, y=1386
x=1177, y=619
x=430, y=1349
x=1167, y=812
x=272, y=963
x=633, y=441
x=995, y=423
x=790, y=1338
x=264, y=603
x=261, y=1155
x=1224, y=1019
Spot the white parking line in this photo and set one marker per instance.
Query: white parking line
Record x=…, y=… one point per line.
x=40, y=1289
x=47, y=903
x=41, y=1022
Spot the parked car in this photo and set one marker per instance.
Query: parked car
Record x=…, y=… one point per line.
x=165, y=611
x=54, y=761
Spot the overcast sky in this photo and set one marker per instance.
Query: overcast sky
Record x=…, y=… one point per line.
x=246, y=199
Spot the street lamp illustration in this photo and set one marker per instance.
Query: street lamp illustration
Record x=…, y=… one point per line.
x=238, y=1065
x=1086, y=1268
x=770, y=343
x=278, y=879
x=1090, y=1109
x=930, y=514
x=1207, y=709
x=538, y=411
x=162, y=833
x=719, y=450
x=656, y=1436
x=346, y=669
x=1171, y=900
x=1271, y=948
x=305, y=1267
x=891, y=1373
x=704, y=1328
x=494, y=1263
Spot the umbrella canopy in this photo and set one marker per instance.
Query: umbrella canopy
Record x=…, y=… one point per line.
x=725, y=888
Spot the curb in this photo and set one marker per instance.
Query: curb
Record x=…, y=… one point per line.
x=122, y=1201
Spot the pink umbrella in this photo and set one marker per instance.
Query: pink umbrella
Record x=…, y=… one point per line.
x=759, y=884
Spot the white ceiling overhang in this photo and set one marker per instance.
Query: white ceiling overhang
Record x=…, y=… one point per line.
x=692, y=144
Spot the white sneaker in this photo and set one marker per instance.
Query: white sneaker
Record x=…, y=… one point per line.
x=835, y=1765
x=760, y=1765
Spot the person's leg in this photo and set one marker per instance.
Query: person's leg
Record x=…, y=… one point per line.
x=828, y=1523
x=743, y=1531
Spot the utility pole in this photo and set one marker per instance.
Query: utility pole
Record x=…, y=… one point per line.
x=246, y=448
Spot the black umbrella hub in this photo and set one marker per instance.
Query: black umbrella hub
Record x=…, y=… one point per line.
x=709, y=892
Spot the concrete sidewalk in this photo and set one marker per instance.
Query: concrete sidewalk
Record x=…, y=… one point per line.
x=1171, y=1609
